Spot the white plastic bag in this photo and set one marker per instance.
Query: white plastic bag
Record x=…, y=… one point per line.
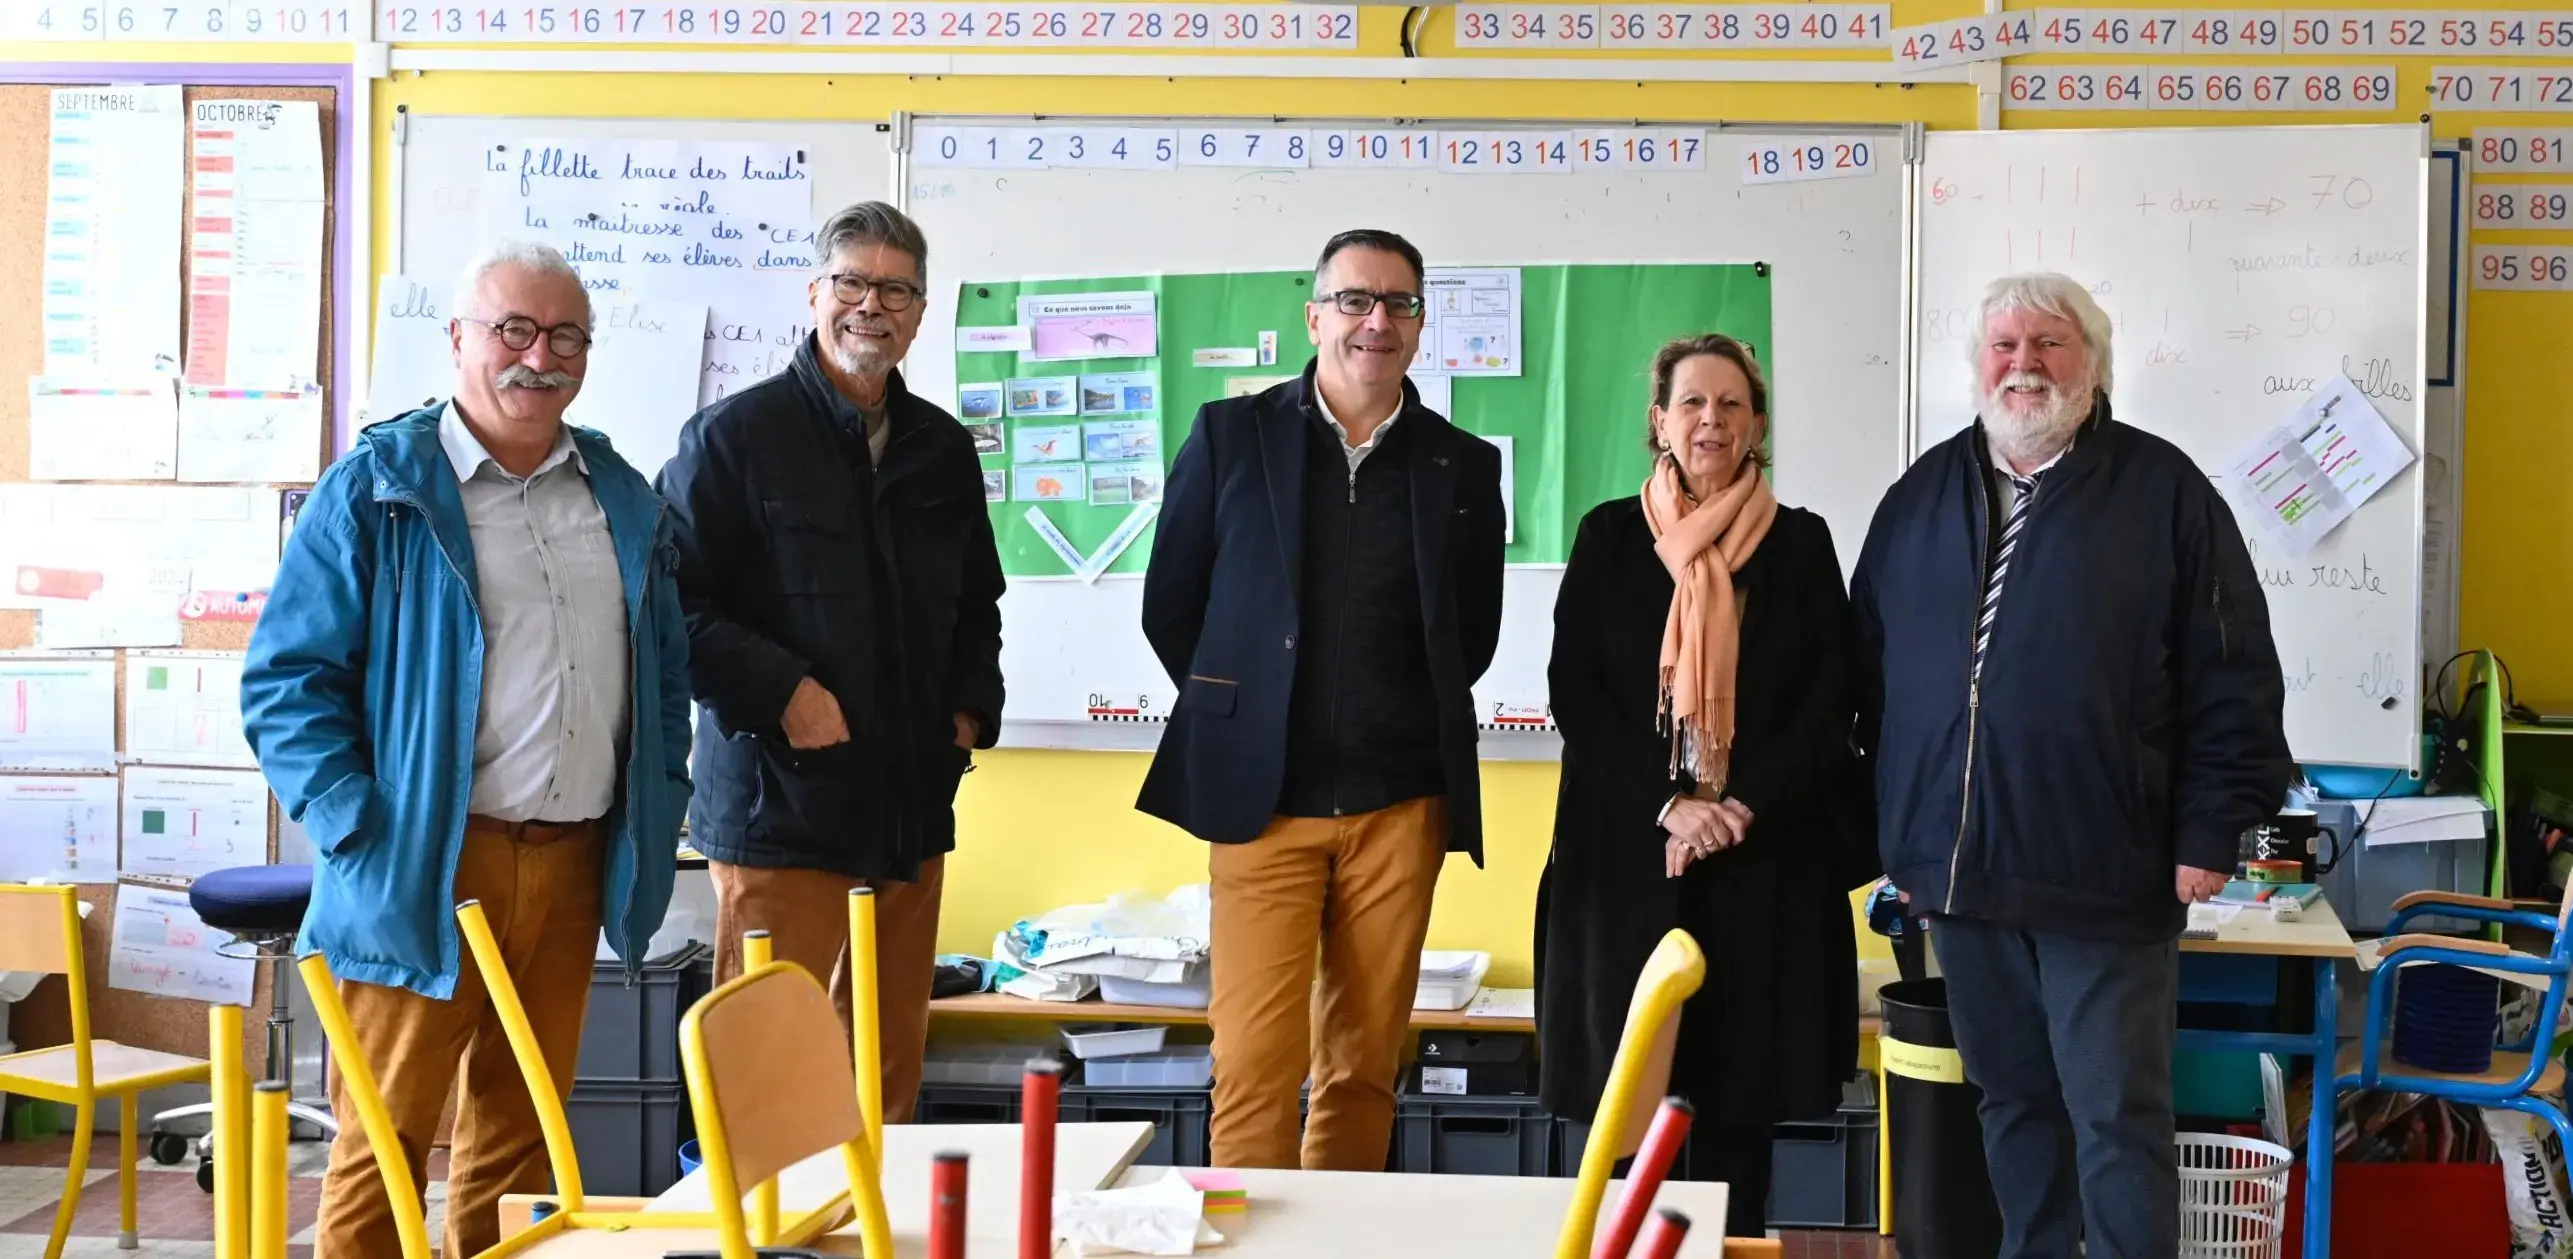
x=2533, y=1183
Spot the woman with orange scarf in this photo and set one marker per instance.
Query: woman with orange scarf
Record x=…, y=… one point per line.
x=1702, y=680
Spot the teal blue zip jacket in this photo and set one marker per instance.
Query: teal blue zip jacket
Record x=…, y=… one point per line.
x=364, y=680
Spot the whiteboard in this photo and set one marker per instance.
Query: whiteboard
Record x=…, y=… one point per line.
x=1837, y=247
x=2239, y=265
x=750, y=333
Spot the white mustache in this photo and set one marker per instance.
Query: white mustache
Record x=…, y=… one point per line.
x=521, y=376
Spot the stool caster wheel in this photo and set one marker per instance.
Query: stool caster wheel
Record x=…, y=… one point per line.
x=168, y=1148
x=205, y=1174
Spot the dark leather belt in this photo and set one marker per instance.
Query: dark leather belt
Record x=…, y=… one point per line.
x=530, y=832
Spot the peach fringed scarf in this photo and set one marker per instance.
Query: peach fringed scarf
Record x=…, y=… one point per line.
x=1703, y=545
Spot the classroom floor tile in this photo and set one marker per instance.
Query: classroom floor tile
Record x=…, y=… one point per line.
x=174, y=1218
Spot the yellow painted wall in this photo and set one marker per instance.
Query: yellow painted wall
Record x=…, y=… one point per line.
x=1045, y=828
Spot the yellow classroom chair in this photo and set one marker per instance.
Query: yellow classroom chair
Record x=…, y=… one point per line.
x=1636, y=1078
x=1754, y=1248
x=770, y=1088
x=573, y=1227
x=40, y=933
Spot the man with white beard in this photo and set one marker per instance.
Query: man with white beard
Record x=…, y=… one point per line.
x=2074, y=705
x=844, y=628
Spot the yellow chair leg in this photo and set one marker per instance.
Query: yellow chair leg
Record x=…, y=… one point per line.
x=231, y=1133
x=84, y=1116
x=129, y=1116
x=268, y=1170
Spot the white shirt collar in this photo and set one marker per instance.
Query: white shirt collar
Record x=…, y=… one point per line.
x=2003, y=467
x=1324, y=405
x=465, y=452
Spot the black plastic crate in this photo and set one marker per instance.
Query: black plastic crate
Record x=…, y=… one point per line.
x=970, y=1103
x=1570, y=1134
x=1823, y=1174
x=632, y=1035
x=1472, y=1136
x=1180, y=1119
x=628, y=1136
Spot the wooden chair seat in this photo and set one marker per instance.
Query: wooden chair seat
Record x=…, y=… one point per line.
x=54, y=1074
x=2505, y=1069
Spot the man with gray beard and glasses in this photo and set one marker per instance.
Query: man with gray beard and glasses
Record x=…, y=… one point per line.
x=470, y=683
x=2074, y=705
x=843, y=595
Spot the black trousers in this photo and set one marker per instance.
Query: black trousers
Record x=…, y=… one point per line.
x=1738, y=1155
x=2070, y=1040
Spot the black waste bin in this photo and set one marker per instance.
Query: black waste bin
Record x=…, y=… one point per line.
x=1943, y=1207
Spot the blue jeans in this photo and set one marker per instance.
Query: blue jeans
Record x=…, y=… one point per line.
x=2070, y=1040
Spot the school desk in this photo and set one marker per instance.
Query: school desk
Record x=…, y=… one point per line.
x=2316, y=936
x=1086, y=1156
x=1373, y=1215
x=1345, y=1215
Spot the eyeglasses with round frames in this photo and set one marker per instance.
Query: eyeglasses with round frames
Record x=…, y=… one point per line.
x=518, y=332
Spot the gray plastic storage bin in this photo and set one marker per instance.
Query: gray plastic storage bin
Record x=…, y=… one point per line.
x=1823, y=1175
x=628, y=1136
x=969, y=1103
x=1472, y=1136
x=1188, y=1067
x=1180, y=1118
x=2363, y=887
x=632, y=1034
x=982, y=1062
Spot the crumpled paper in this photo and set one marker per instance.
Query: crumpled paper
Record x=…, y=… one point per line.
x=1164, y=1217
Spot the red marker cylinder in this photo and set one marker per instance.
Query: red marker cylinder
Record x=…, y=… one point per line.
x=1040, y=1104
x=1644, y=1179
x=947, y=1206
x=1662, y=1239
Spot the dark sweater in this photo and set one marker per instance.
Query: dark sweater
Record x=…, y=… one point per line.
x=1362, y=721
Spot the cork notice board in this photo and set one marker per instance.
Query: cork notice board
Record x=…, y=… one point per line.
x=26, y=111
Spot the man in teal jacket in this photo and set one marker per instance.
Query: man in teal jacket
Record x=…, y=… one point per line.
x=470, y=683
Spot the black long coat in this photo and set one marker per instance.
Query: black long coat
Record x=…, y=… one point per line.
x=1774, y=1031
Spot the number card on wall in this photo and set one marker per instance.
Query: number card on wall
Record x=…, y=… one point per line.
x=2525, y=268
x=1823, y=157
x=1498, y=151
x=2293, y=89
x=878, y=24
x=2502, y=89
x=2500, y=149
x=1699, y=28
x=2524, y=207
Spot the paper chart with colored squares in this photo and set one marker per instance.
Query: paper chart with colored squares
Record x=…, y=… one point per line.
x=60, y=827
x=187, y=822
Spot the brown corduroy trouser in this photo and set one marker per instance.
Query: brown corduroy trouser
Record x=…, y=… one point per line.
x=1354, y=892
x=806, y=915
x=539, y=887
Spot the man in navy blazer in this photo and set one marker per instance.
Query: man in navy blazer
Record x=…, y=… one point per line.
x=1325, y=588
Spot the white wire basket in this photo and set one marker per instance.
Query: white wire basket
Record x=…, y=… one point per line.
x=2233, y=1196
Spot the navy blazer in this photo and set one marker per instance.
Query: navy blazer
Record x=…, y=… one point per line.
x=1220, y=604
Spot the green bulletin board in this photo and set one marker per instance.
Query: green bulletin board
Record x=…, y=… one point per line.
x=1577, y=411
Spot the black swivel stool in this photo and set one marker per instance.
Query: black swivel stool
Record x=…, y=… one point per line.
x=262, y=908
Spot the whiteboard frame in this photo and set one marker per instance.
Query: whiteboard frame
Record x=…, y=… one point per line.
x=2423, y=183
x=1060, y=734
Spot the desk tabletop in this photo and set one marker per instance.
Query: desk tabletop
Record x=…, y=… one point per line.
x=1343, y=1215
x=2255, y=931
x=1002, y=1005
x=1365, y=1215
